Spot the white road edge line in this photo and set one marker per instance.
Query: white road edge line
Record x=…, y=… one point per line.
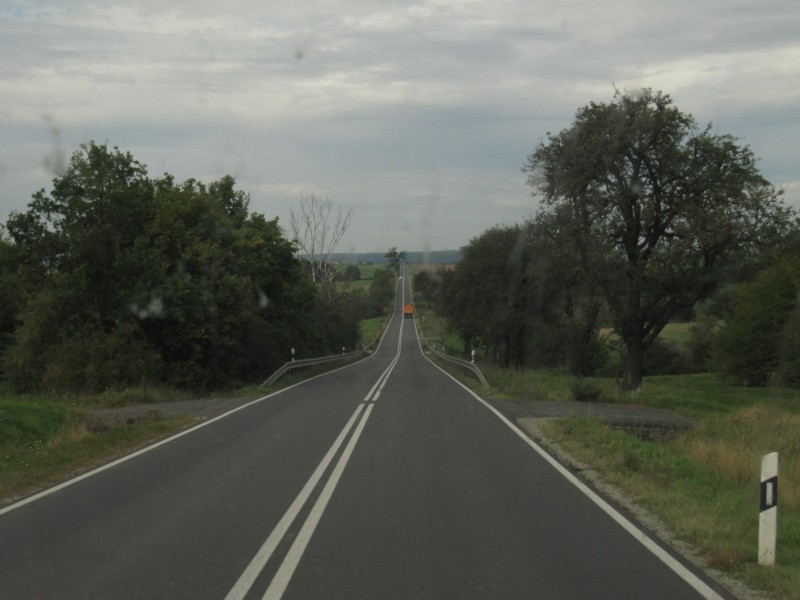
x=119, y=461
x=128, y=457
x=670, y=561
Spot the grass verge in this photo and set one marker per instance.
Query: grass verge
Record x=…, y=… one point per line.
x=370, y=328
x=43, y=441
x=702, y=483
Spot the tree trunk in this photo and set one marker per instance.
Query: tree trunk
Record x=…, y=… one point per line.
x=634, y=364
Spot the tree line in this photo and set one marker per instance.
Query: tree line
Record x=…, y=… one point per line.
x=644, y=218
x=115, y=278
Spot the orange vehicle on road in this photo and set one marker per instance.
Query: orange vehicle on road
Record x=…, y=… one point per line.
x=408, y=311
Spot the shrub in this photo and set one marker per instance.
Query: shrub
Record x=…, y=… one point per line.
x=700, y=344
x=96, y=360
x=760, y=340
x=664, y=358
x=584, y=390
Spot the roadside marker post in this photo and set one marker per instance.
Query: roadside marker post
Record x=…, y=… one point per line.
x=768, y=515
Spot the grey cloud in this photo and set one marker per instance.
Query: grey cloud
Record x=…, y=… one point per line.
x=381, y=106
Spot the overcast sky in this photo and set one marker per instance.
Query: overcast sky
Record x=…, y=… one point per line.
x=418, y=116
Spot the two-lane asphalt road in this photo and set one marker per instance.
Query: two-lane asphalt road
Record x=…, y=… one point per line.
x=384, y=479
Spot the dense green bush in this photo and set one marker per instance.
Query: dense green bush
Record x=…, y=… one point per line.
x=701, y=344
x=759, y=342
x=664, y=358
x=380, y=293
x=586, y=390
x=122, y=280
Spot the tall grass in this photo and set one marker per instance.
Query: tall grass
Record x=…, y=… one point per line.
x=734, y=445
x=703, y=482
x=704, y=488
x=29, y=423
x=43, y=439
x=433, y=327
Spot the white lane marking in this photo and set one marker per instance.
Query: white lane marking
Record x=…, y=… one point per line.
x=670, y=561
x=242, y=586
x=286, y=571
x=119, y=461
x=128, y=457
x=248, y=577
x=260, y=560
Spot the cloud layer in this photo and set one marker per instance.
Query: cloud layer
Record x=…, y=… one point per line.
x=418, y=117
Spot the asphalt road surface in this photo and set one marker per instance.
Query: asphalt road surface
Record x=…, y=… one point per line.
x=385, y=479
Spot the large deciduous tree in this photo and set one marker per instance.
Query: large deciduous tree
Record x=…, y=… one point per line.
x=759, y=341
x=669, y=208
x=121, y=279
x=563, y=294
x=395, y=258
x=518, y=292
x=486, y=296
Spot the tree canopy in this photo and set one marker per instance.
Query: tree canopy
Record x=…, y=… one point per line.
x=670, y=210
x=518, y=295
x=759, y=341
x=395, y=258
x=123, y=279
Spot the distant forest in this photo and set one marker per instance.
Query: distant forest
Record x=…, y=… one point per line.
x=435, y=257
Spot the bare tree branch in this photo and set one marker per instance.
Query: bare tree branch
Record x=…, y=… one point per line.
x=317, y=230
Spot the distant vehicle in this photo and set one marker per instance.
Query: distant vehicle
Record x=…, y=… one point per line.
x=408, y=311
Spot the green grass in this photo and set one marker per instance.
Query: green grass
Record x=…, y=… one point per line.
x=700, y=500
x=26, y=423
x=431, y=326
x=367, y=275
x=677, y=333
x=704, y=394
x=45, y=439
x=703, y=483
x=367, y=271
x=370, y=328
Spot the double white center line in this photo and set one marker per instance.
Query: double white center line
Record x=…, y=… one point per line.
x=284, y=574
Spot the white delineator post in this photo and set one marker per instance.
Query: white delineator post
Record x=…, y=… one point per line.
x=768, y=517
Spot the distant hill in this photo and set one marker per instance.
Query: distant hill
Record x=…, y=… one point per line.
x=435, y=257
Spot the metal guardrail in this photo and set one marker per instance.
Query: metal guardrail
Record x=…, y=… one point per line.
x=467, y=367
x=307, y=363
